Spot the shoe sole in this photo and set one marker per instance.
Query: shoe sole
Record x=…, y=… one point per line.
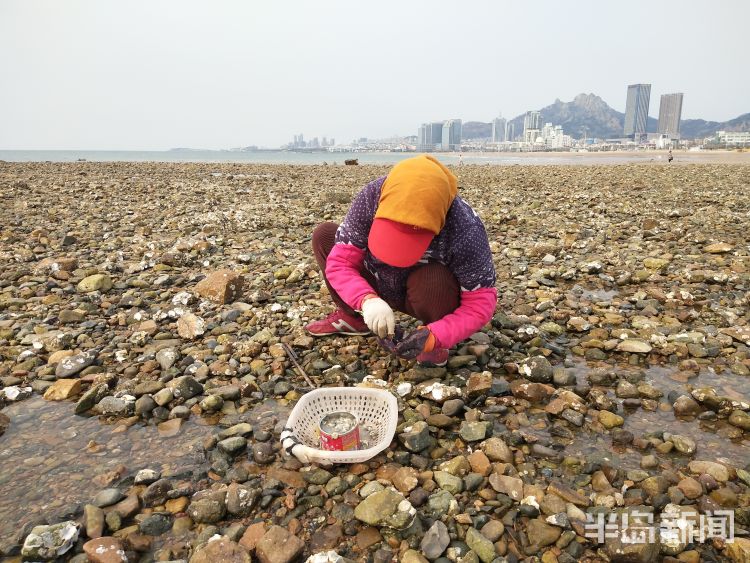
x=432, y=365
x=338, y=332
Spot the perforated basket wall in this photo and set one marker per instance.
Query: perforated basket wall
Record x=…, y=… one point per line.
x=375, y=408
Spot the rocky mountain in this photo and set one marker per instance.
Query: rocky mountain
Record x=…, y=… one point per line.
x=698, y=128
x=590, y=112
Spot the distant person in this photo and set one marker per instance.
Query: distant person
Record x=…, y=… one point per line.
x=670, y=158
x=409, y=242
x=460, y=158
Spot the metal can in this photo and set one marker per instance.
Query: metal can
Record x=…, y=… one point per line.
x=339, y=431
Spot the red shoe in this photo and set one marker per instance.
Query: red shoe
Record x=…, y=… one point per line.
x=437, y=358
x=338, y=322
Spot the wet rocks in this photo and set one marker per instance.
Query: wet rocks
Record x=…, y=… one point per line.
x=63, y=389
x=536, y=369
x=416, y=437
x=386, y=508
x=634, y=346
x=185, y=387
x=715, y=470
x=435, y=541
x=50, y=542
x=116, y=406
x=480, y=545
x=610, y=420
x=221, y=549
x=278, y=546
x=105, y=550
x=207, y=510
x=74, y=364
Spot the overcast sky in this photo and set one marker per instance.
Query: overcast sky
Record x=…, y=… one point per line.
x=147, y=74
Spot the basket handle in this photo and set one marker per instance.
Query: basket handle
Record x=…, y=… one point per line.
x=293, y=447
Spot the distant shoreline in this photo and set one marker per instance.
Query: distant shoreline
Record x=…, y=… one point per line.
x=378, y=158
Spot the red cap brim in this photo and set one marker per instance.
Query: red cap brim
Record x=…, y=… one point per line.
x=397, y=244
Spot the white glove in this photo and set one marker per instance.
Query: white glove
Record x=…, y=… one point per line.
x=379, y=317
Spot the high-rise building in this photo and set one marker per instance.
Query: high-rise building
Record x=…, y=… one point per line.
x=532, y=123
x=636, y=110
x=670, y=113
x=498, y=129
x=451, y=140
x=510, y=131
x=429, y=136
x=532, y=120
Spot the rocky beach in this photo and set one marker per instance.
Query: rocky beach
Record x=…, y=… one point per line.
x=152, y=348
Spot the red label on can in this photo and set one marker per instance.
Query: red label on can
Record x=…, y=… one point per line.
x=339, y=441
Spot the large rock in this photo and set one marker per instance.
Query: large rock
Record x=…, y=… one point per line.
x=240, y=499
x=278, y=546
x=91, y=397
x=511, y=486
x=74, y=364
x=620, y=548
x=435, y=541
x=542, y=534
x=223, y=550
x=105, y=550
x=738, y=551
x=536, y=369
x=114, y=406
x=190, y=326
x=480, y=545
x=49, y=542
x=497, y=450
x=386, y=508
x=634, y=346
x=207, y=510
x=63, y=389
x=185, y=387
x=222, y=286
x=97, y=282
x=715, y=470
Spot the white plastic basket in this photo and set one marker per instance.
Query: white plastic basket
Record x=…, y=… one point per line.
x=374, y=408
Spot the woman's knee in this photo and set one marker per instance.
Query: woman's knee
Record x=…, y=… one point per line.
x=432, y=292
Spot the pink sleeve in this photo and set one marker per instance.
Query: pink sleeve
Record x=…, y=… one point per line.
x=475, y=311
x=342, y=271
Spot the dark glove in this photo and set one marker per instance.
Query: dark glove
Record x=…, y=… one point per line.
x=391, y=343
x=413, y=344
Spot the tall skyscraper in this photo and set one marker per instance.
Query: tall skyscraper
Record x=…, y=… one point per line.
x=451, y=140
x=510, y=131
x=636, y=110
x=532, y=123
x=498, y=129
x=532, y=120
x=429, y=135
x=670, y=113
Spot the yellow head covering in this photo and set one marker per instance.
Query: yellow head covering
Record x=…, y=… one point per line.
x=418, y=192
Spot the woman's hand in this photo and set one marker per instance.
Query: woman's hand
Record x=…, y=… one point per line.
x=378, y=316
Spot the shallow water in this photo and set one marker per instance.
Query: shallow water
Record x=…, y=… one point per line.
x=51, y=459
x=710, y=436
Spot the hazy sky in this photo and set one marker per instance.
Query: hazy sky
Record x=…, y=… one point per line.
x=157, y=74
